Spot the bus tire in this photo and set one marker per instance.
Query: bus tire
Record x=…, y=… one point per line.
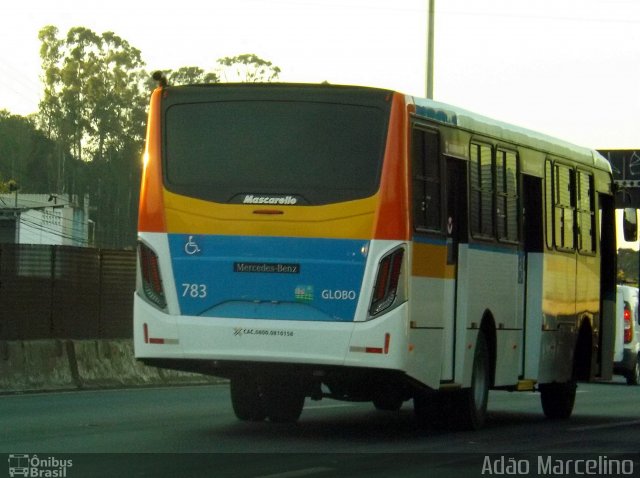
x=557, y=399
x=284, y=403
x=633, y=377
x=246, y=399
x=471, y=402
x=388, y=403
x=428, y=409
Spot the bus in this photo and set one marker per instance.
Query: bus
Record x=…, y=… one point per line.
x=355, y=243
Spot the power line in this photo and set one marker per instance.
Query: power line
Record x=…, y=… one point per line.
x=50, y=231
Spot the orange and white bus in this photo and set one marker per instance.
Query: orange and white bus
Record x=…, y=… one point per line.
x=365, y=245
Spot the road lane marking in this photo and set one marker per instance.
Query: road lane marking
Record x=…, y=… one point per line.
x=605, y=425
x=297, y=473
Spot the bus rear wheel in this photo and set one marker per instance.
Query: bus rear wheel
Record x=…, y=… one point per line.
x=557, y=399
x=471, y=403
x=429, y=409
x=283, y=402
x=388, y=403
x=247, y=399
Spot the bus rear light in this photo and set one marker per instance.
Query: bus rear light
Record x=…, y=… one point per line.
x=387, y=280
x=628, y=328
x=380, y=289
x=373, y=350
x=156, y=340
x=151, y=279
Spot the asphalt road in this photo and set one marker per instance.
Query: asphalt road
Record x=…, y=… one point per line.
x=191, y=431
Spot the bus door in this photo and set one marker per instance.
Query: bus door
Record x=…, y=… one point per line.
x=608, y=276
x=533, y=237
x=433, y=263
x=456, y=231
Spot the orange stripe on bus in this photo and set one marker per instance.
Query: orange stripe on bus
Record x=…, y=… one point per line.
x=151, y=212
x=392, y=218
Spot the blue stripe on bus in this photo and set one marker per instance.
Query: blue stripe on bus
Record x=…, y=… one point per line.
x=436, y=241
x=503, y=249
x=489, y=247
x=267, y=277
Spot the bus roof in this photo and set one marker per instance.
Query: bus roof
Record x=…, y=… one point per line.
x=476, y=123
x=453, y=116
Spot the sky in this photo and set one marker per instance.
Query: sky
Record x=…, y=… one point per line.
x=568, y=68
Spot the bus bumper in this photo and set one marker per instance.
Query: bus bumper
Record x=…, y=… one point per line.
x=378, y=343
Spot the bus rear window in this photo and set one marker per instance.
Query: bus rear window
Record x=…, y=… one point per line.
x=317, y=152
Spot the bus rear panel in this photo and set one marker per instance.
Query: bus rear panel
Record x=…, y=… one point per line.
x=275, y=243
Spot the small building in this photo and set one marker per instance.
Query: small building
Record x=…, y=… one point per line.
x=53, y=219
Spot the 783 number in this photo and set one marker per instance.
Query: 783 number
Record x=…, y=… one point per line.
x=195, y=291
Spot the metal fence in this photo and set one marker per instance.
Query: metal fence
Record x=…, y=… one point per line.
x=65, y=292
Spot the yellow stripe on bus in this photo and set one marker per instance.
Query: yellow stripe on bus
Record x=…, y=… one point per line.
x=347, y=220
x=430, y=260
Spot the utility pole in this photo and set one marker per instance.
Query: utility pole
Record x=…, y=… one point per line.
x=430, y=36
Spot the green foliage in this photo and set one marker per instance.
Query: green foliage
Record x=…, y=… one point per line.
x=93, y=107
x=26, y=155
x=191, y=75
x=247, y=68
x=627, y=266
x=94, y=92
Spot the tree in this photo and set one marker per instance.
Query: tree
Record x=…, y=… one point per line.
x=94, y=108
x=189, y=75
x=26, y=155
x=94, y=91
x=627, y=266
x=247, y=68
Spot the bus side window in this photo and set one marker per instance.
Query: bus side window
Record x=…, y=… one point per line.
x=507, y=195
x=481, y=191
x=427, y=188
x=586, y=213
x=548, y=202
x=630, y=225
x=564, y=208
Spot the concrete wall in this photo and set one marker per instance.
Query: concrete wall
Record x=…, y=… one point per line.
x=49, y=365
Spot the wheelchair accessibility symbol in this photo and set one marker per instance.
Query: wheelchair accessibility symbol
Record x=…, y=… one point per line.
x=191, y=247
